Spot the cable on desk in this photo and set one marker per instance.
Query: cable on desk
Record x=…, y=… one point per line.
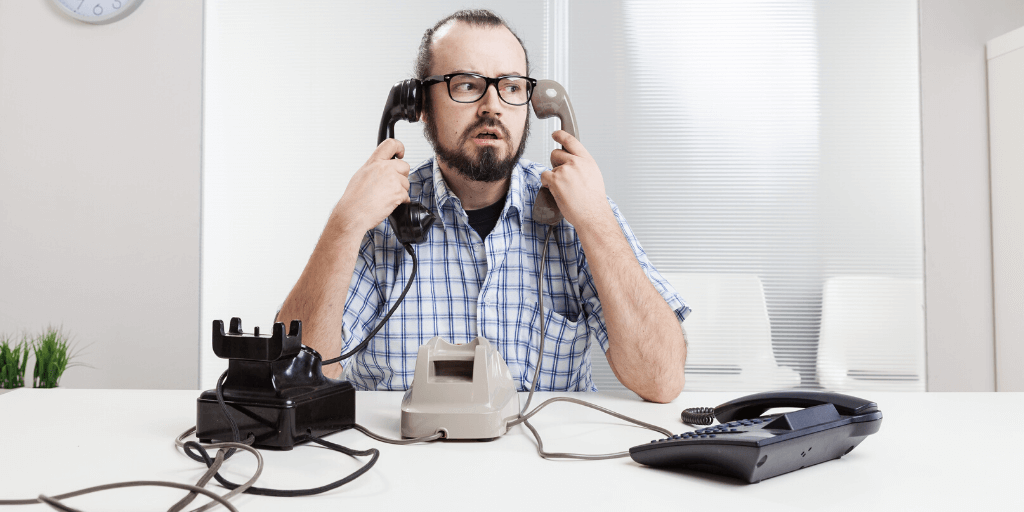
x=212, y=470
x=524, y=416
x=441, y=434
x=140, y=483
x=260, y=491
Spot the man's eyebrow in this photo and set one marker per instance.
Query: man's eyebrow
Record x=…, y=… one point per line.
x=513, y=73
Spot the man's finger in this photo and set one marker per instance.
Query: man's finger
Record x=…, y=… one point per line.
x=560, y=157
x=570, y=143
x=547, y=178
x=402, y=167
x=388, y=149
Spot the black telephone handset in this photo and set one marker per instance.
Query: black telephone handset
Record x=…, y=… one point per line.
x=412, y=220
x=754, y=406
x=752, y=446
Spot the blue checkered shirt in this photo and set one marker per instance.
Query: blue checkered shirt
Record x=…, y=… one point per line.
x=466, y=286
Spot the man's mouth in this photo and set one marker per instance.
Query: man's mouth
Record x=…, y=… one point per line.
x=486, y=135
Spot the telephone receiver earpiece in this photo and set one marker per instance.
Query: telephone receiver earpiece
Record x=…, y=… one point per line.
x=551, y=100
x=405, y=101
x=410, y=221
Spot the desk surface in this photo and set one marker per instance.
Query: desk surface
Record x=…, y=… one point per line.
x=943, y=451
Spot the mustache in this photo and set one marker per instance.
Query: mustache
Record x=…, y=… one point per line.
x=487, y=122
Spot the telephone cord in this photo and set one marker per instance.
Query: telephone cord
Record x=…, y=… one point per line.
x=524, y=416
x=698, y=416
x=53, y=501
x=441, y=434
x=366, y=340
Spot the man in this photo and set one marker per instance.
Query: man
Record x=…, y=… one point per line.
x=477, y=272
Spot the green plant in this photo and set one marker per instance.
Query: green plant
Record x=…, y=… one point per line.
x=53, y=357
x=13, y=361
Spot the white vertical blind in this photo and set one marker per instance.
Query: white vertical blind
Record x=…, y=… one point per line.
x=778, y=140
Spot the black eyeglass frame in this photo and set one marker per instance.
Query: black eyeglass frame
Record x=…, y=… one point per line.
x=447, y=79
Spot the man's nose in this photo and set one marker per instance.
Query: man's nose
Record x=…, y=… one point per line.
x=491, y=103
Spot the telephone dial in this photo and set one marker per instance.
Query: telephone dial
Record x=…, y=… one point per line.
x=752, y=446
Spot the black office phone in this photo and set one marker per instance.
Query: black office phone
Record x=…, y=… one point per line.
x=752, y=446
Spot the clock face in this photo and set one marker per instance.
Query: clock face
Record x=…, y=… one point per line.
x=97, y=11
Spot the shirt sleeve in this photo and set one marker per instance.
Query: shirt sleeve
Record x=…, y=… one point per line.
x=588, y=290
x=363, y=302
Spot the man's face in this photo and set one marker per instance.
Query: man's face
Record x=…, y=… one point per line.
x=482, y=140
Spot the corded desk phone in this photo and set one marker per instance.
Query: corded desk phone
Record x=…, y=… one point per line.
x=752, y=446
x=274, y=389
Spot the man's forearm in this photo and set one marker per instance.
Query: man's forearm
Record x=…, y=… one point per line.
x=318, y=298
x=646, y=350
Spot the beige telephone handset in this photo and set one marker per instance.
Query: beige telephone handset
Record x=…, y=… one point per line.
x=549, y=100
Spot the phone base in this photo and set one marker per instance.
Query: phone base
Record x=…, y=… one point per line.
x=465, y=391
x=279, y=422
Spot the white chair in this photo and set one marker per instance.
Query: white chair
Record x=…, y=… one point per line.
x=729, y=337
x=872, y=334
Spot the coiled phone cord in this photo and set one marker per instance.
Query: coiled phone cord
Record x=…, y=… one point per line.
x=524, y=416
x=698, y=416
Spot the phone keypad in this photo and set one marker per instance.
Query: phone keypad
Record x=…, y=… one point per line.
x=732, y=427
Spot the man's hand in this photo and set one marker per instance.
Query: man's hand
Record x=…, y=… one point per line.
x=380, y=185
x=576, y=181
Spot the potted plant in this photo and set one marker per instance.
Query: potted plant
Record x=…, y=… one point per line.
x=13, y=361
x=53, y=355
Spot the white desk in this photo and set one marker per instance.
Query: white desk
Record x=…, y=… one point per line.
x=937, y=451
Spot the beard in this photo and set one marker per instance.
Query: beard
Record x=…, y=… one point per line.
x=485, y=166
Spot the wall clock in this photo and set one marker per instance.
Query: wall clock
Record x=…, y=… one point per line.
x=97, y=12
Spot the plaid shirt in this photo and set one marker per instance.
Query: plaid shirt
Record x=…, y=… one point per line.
x=466, y=286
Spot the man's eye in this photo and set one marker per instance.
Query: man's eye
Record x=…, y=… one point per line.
x=512, y=88
x=464, y=86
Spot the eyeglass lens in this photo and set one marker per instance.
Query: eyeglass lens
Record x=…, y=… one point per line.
x=470, y=88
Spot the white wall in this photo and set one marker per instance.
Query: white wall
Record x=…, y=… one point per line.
x=100, y=130
x=957, y=219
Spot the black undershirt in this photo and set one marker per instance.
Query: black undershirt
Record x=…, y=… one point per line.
x=484, y=219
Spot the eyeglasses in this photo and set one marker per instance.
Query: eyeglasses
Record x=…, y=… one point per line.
x=470, y=87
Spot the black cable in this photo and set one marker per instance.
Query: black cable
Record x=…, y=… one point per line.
x=366, y=341
x=698, y=416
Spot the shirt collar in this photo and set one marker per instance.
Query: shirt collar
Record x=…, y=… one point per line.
x=513, y=201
